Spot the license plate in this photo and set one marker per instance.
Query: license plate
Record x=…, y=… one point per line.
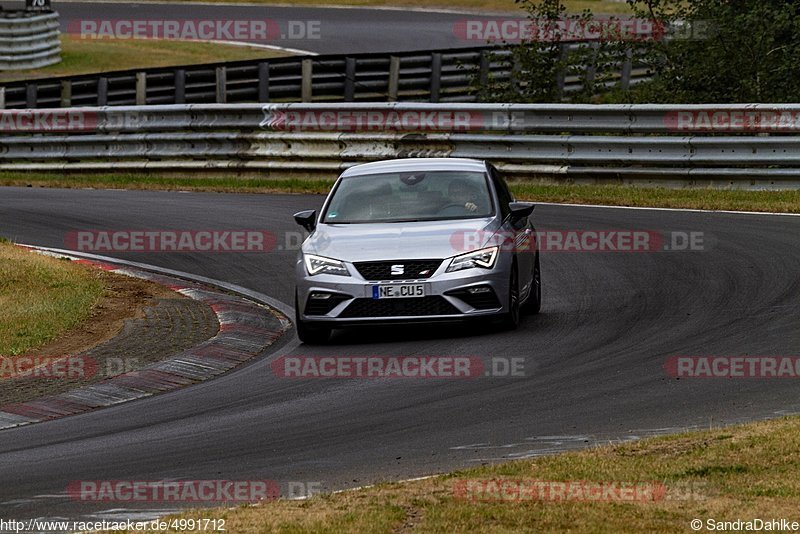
x=398, y=291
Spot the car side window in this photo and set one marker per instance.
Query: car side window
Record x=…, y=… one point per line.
x=503, y=194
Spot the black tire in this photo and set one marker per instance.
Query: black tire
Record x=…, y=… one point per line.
x=512, y=317
x=534, y=303
x=310, y=334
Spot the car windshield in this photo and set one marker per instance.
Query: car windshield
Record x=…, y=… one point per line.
x=410, y=196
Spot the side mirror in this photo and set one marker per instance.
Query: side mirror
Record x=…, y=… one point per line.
x=520, y=210
x=307, y=219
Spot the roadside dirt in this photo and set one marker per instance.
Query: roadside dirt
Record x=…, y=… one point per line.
x=134, y=324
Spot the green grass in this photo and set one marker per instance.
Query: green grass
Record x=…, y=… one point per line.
x=84, y=56
x=614, y=195
x=743, y=472
x=659, y=197
x=170, y=183
x=40, y=297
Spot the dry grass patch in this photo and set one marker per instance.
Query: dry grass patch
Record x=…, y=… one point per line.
x=122, y=298
x=743, y=472
x=40, y=298
x=87, y=56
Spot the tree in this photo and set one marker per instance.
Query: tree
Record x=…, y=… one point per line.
x=538, y=65
x=711, y=51
x=723, y=51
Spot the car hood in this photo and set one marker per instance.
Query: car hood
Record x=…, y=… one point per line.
x=399, y=241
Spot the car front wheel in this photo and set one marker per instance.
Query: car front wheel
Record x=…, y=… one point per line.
x=511, y=319
x=534, y=303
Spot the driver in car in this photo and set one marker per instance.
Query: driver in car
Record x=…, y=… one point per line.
x=461, y=192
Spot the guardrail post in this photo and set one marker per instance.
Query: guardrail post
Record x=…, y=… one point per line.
x=141, y=88
x=591, y=68
x=306, y=68
x=102, y=91
x=561, y=75
x=484, y=64
x=263, y=82
x=222, y=75
x=349, y=79
x=30, y=95
x=514, y=76
x=66, y=93
x=627, y=68
x=436, y=76
x=180, y=86
x=394, y=78
x=2, y=98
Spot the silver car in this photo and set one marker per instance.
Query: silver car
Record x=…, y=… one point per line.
x=416, y=240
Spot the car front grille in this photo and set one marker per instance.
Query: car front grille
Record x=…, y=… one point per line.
x=411, y=269
x=432, y=305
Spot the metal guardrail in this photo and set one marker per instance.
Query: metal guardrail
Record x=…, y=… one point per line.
x=743, y=145
x=28, y=40
x=500, y=118
x=429, y=76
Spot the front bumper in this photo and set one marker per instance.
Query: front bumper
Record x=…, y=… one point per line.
x=446, y=298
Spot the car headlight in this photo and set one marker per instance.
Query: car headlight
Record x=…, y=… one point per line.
x=484, y=258
x=322, y=265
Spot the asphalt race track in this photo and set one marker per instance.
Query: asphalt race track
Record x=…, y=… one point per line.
x=593, y=359
x=340, y=31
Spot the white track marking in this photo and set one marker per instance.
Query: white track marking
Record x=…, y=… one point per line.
x=275, y=48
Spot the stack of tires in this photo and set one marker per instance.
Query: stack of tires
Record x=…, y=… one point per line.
x=29, y=39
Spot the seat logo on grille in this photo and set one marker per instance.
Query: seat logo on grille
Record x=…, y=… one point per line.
x=398, y=270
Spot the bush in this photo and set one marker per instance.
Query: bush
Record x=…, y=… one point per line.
x=718, y=51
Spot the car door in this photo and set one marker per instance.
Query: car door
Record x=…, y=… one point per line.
x=521, y=232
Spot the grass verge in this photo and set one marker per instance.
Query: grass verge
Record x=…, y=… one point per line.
x=40, y=298
x=89, y=346
x=85, y=56
x=659, y=197
x=613, y=195
x=743, y=472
